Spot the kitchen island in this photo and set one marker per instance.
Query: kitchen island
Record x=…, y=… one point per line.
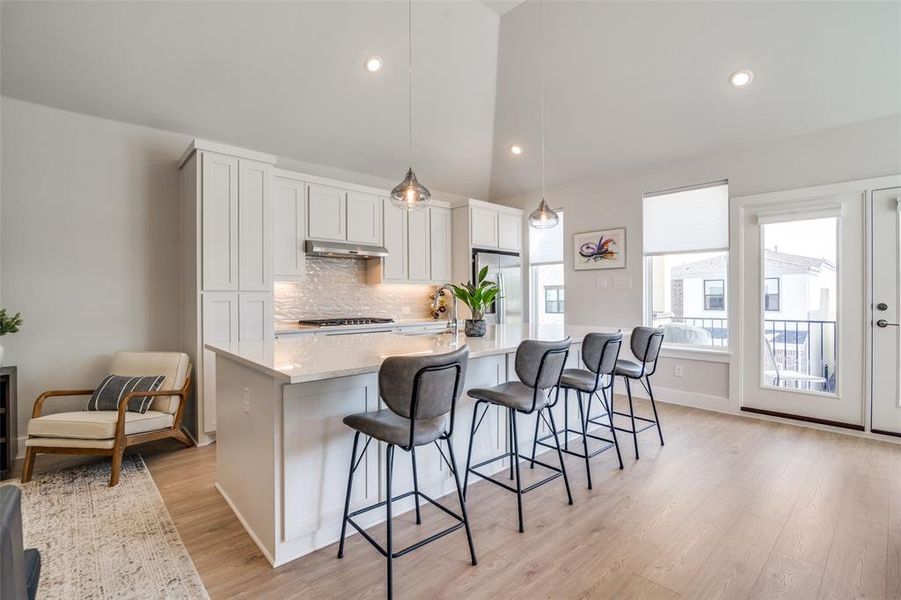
x=283, y=453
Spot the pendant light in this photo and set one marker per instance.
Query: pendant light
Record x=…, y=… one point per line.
x=409, y=193
x=544, y=216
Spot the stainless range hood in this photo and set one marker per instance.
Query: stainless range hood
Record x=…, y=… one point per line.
x=343, y=250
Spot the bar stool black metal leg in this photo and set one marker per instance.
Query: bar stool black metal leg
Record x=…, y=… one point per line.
x=472, y=435
x=560, y=456
x=415, y=485
x=584, y=436
x=632, y=415
x=511, y=436
x=350, y=479
x=472, y=547
x=535, y=441
x=609, y=408
x=515, y=459
x=565, y=422
x=389, y=467
x=654, y=406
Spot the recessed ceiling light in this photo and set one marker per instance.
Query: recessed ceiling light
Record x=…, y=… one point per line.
x=374, y=63
x=741, y=78
x=516, y=149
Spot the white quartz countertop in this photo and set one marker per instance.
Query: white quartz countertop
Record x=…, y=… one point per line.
x=299, y=359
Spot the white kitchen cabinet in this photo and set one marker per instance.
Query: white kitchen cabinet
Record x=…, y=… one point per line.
x=220, y=324
x=364, y=218
x=483, y=227
x=326, y=213
x=219, y=191
x=254, y=226
x=509, y=231
x=440, y=243
x=288, y=258
x=255, y=315
x=395, y=265
x=420, y=248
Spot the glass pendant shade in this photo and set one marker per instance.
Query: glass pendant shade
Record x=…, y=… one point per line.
x=543, y=217
x=410, y=194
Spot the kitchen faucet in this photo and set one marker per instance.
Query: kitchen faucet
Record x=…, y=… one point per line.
x=452, y=325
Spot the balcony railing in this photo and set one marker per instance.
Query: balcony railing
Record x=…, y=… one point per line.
x=803, y=352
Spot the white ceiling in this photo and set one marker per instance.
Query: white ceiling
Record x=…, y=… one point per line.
x=630, y=85
x=634, y=85
x=279, y=77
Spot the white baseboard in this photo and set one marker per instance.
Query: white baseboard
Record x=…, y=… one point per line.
x=671, y=396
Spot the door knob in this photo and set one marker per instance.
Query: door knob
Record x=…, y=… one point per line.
x=882, y=306
x=884, y=323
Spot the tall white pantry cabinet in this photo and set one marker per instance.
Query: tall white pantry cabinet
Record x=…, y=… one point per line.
x=225, y=204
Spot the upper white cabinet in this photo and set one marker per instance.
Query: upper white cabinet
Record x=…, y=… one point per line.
x=254, y=226
x=288, y=222
x=418, y=244
x=509, y=231
x=395, y=265
x=420, y=247
x=219, y=192
x=364, y=218
x=326, y=213
x=483, y=227
x=440, y=243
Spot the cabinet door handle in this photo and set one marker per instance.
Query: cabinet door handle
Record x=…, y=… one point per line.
x=884, y=323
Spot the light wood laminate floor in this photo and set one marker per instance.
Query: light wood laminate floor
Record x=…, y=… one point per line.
x=731, y=507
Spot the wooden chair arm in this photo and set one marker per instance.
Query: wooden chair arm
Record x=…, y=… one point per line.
x=39, y=402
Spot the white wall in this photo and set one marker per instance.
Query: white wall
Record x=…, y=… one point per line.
x=89, y=244
x=867, y=149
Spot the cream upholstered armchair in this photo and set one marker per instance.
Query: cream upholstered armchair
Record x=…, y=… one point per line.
x=110, y=432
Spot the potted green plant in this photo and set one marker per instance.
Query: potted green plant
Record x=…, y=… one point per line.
x=477, y=297
x=8, y=324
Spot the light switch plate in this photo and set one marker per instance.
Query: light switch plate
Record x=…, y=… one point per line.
x=621, y=283
x=404, y=310
x=601, y=283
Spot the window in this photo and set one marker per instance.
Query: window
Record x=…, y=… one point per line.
x=714, y=294
x=771, y=294
x=546, y=274
x=553, y=299
x=686, y=251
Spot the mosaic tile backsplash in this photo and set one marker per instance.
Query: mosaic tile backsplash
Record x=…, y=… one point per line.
x=337, y=287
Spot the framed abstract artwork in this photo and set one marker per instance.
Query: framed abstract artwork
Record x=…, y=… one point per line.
x=603, y=249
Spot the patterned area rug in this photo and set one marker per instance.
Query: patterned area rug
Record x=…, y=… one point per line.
x=102, y=542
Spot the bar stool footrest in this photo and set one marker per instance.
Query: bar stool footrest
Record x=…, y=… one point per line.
x=646, y=427
x=416, y=545
x=557, y=473
x=609, y=444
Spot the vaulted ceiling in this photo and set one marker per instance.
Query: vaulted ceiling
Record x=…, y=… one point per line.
x=629, y=85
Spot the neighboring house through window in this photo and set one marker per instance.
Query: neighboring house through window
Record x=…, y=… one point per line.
x=553, y=299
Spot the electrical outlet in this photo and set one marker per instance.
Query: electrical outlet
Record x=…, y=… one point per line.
x=678, y=371
x=601, y=283
x=246, y=394
x=404, y=310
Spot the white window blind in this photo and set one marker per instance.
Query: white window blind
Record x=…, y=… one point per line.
x=686, y=220
x=546, y=245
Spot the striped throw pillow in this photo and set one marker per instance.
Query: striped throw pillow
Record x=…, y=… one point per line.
x=114, y=387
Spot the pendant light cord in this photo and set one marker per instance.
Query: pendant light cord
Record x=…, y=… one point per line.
x=410, y=82
x=541, y=77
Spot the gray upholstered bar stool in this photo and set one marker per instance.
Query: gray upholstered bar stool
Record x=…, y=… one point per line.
x=600, y=352
x=538, y=366
x=645, y=343
x=421, y=394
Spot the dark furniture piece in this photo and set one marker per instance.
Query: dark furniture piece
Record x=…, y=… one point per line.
x=421, y=394
x=539, y=366
x=600, y=351
x=20, y=569
x=645, y=343
x=9, y=439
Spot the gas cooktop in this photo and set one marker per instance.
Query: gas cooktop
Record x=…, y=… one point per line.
x=338, y=322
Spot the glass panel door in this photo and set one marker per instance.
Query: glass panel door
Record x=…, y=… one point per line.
x=802, y=274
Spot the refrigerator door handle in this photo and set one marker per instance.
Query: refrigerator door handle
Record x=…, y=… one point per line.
x=501, y=309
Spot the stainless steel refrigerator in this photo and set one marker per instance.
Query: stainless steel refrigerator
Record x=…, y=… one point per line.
x=504, y=268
